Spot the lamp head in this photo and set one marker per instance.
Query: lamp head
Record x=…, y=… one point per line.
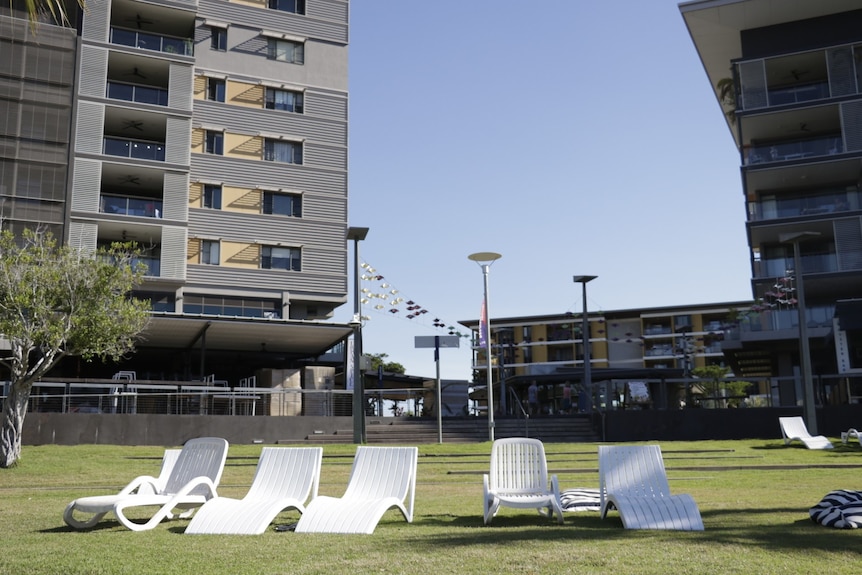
x=484, y=257
x=583, y=279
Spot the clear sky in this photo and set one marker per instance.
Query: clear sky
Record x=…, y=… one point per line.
x=571, y=136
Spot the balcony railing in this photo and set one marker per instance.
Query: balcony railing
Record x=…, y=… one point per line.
x=127, y=206
x=154, y=265
x=150, y=41
x=138, y=149
x=781, y=319
x=135, y=93
x=796, y=150
x=777, y=208
x=798, y=93
x=811, y=264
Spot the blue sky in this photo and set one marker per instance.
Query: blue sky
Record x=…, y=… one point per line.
x=572, y=137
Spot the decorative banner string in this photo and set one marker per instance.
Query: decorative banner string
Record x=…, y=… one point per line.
x=380, y=296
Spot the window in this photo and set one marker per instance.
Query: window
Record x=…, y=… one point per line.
x=287, y=100
x=282, y=204
x=212, y=197
x=281, y=151
x=273, y=258
x=210, y=252
x=214, y=142
x=294, y=6
x=218, y=38
x=215, y=89
x=286, y=51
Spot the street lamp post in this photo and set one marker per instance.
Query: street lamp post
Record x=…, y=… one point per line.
x=357, y=235
x=809, y=410
x=485, y=259
x=585, y=335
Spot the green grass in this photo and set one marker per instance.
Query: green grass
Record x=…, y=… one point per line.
x=754, y=497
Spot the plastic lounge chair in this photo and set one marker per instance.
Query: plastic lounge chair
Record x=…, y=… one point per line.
x=793, y=428
x=192, y=481
x=149, y=485
x=381, y=478
x=850, y=434
x=519, y=478
x=633, y=481
x=285, y=478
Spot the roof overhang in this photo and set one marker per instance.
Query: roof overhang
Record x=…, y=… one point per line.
x=715, y=26
x=294, y=338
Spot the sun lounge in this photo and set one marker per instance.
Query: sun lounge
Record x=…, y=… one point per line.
x=284, y=479
x=851, y=434
x=793, y=429
x=381, y=478
x=519, y=479
x=192, y=481
x=633, y=481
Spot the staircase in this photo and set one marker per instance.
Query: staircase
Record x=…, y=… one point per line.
x=413, y=431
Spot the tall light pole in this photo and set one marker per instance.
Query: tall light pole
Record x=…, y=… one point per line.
x=585, y=335
x=485, y=259
x=809, y=410
x=357, y=235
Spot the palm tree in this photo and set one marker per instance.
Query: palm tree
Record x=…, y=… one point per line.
x=54, y=10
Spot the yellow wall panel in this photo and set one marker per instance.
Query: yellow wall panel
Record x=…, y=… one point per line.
x=256, y=3
x=245, y=94
x=200, y=89
x=196, y=192
x=194, y=251
x=242, y=146
x=240, y=255
x=198, y=135
x=241, y=200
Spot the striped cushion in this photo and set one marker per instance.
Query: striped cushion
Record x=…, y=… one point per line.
x=580, y=499
x=841, y=509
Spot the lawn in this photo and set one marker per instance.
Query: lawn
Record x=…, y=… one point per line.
x=754, y=496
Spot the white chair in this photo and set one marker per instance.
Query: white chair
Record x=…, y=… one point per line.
x=633, y=481
x=192, y=481
x=285, y=478
x=519, y=478
x=851, y=434
x=150, y=485
x=381, y=478
x=793, y=428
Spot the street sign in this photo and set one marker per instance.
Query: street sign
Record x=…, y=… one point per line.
x=430, y=341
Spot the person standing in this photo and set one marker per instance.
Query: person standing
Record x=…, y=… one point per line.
x=567, y=398
x=533, y=398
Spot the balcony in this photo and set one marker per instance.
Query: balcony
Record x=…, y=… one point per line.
x=136, y=93
x=797, y=94
x=153, y=263
x=137, y=149
x=775, y=320
x=150, y=41
x=794, y=151
x=128, y=206
x=775, y=207
x=811, y=264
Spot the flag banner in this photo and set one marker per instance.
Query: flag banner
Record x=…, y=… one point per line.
x=483, y=325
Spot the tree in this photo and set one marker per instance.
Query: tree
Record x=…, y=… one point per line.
x=375, y=360
x=56, y=11
x=57, y=302
x=713, y=382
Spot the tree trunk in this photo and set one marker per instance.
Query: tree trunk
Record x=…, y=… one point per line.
x=12, y=425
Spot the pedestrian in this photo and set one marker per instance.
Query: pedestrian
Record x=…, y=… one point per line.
x=533, y=398
x=567, y=398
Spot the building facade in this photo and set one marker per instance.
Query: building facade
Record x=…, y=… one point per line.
x=788, y=80
x=213, y=133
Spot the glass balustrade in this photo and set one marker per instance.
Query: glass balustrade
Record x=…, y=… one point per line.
x=777, y=207
x=800, y=93
x=134, y=93
x=811, y=264
x=127, y=206
x=796, y=150
x=150, y=41
x=138, y=149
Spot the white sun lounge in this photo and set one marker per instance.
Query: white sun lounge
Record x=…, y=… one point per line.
x=150, y=485
x=381, y=478
x=192, y=481
x=519, y=478
x=633, y=481
x=793, y=428
x=285, y=478
x=851, y=434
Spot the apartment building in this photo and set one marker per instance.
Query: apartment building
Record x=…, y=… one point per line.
x=625, y=345
x=788, y=80
x=214, y=134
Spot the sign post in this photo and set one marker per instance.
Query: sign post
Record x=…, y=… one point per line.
x=438, y=341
